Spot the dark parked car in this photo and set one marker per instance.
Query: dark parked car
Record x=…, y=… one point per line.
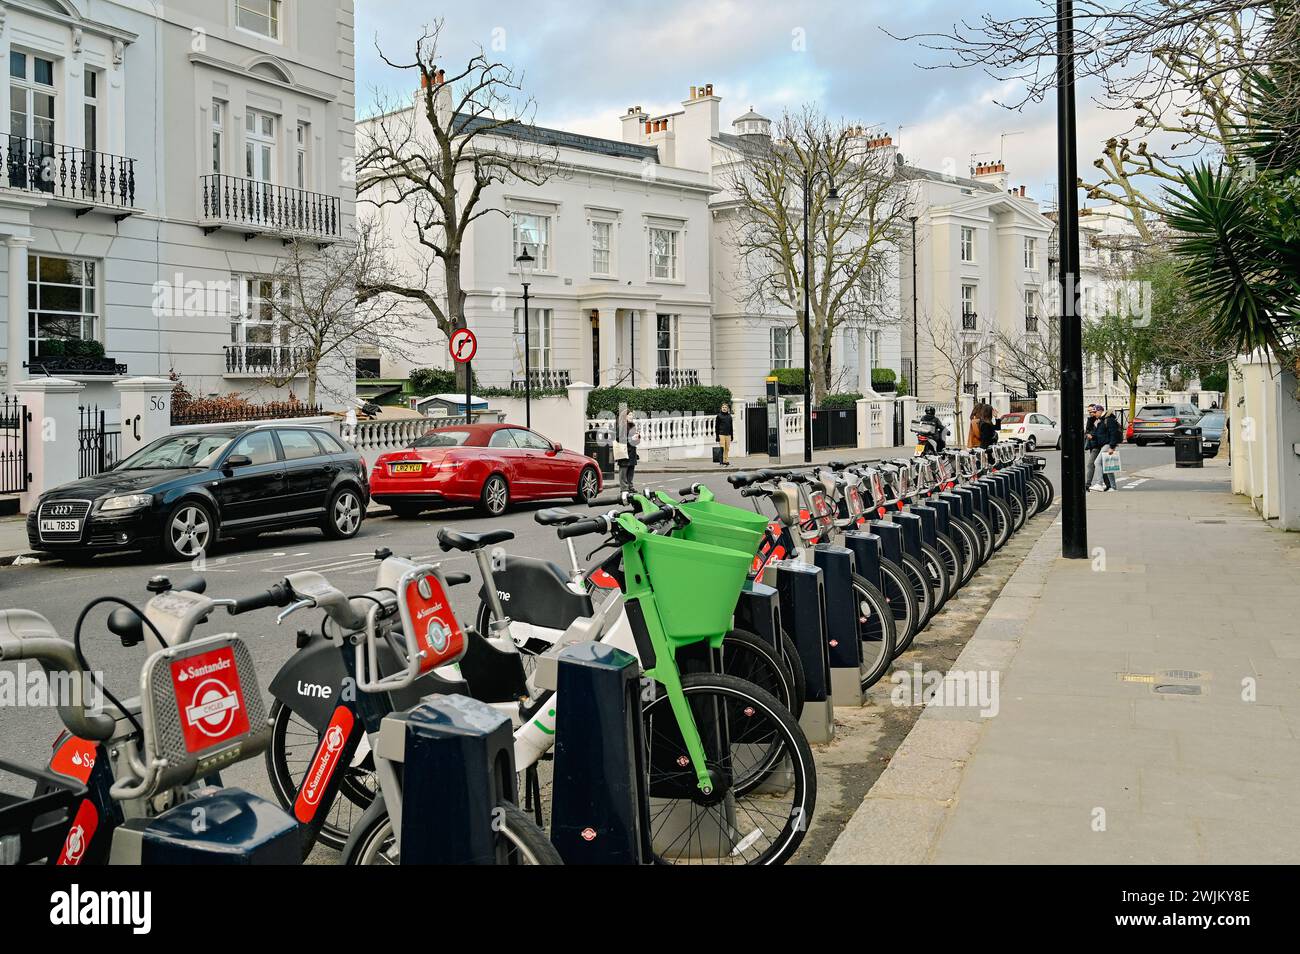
x=1212, y=426
x=1155, y=423
x=185, y=491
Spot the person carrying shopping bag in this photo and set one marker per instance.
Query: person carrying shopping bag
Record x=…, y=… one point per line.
x=723, y=430
x=1103, y=436
x=625, y=456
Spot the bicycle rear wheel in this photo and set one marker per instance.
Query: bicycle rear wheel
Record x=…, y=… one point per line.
x=876, y=630
x=520, y=841
x=748, y=656
x=902, y=603
x=765, y=784
x=1002, y=522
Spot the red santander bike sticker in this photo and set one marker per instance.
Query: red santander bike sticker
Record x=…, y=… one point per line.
x=437, y=631
x=328, y=753
x=80, y=834
x=74, y=758
x=210, y=698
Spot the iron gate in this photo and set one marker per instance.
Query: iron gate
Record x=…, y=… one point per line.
x=14, y=418
x=97, y=447
x=756, y=427
x=834, y=427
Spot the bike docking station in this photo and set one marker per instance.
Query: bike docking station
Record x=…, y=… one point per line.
x=843, y=643
x=600, y=806
x=890, y=536
x=802, y=594
x=458, y=764
x=759, y=610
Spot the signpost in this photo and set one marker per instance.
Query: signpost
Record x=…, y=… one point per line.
x=773, y=421
x=463, y=346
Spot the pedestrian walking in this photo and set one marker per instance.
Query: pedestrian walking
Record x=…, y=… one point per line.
x=724, y=430
x=988, y=426
x=625, y=456
x=973, y=432
x=1103, y=435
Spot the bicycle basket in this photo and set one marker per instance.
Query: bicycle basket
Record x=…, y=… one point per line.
x=721, y=525
x=695, y=585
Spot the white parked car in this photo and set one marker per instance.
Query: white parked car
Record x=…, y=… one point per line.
x=1036, y=430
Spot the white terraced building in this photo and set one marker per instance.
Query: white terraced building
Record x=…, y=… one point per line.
x=158, y=157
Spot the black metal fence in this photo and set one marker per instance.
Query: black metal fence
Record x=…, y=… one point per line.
x=14, y=418
x=271, y=411
x=98, y=448
x=756, y=427
x=834, y=427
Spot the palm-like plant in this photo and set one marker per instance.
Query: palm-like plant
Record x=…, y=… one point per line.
x=1237, y=227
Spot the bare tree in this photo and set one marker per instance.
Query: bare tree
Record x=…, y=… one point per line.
x=851, y=242
x=317, y=321
x=430, y=166
x=1030, y=361
x=956, y=354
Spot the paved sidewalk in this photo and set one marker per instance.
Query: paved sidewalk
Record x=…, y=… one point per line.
x=1149, y=703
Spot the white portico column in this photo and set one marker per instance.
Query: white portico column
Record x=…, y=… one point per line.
x=17, y=310
x=608, y=346
x=647, y=347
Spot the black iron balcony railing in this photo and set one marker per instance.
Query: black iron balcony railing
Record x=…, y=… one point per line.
x=1031, y=324
x=677, y=377
x=969, y=321
x=265, y=207
x=265, y=360
x=68, y=172
x=542, y=378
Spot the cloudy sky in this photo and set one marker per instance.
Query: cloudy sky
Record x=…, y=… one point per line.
x=585, y=62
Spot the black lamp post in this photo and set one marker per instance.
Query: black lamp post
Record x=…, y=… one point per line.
x=832, y=199
x=525, y=262
x=1074, y=516
x=916, y=348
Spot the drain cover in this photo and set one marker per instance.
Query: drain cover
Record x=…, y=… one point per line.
x=1179, y=690
x=1180, y=674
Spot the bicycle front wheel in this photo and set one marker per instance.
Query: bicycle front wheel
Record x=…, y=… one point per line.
x=876, y=630
x=519, y=840
x=765, y=783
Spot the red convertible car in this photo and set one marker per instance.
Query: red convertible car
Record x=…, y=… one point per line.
x=488, y=464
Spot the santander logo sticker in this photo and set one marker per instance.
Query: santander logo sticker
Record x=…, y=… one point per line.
x=79, y=835
x=328, y=754
x=437, y=631
x=74, y=758
x=210, y=698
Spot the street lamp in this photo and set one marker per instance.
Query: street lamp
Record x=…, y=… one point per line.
x=916, y=348
x=832, y=202
x=525, y=262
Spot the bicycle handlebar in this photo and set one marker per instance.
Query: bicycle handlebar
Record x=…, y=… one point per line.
x=580, y=528
x=277, y=595
x=56, y=654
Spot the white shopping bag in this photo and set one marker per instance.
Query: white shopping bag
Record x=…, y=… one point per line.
x=1110, y=463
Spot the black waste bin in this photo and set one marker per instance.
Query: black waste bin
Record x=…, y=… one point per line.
x=1187, y=447
x=599, y=445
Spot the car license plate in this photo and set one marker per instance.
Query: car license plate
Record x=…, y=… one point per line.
x=1149, y=424
x=60, y=526
x=407, y=468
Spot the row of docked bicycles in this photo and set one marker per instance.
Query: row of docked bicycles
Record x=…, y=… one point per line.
x=728, y=770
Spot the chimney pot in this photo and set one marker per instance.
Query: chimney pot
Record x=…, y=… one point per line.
x=693, y=91
x=649, y=127
x=708, y=89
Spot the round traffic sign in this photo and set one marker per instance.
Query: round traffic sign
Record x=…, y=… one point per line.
x=462, y=345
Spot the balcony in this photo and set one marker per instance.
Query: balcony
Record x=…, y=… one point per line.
x=263, y=208
x=677, y=377
x=969, y=321
x=264, y=361
x=540, y=378
x=1031, y=324
x=85, y=178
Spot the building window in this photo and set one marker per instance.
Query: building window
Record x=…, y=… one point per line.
x=663, y=254
x=256, y=319
x=1031, y=253
x=304, y=139
x=218, y=135
x=259, y=16
x=539, y=338
x=535, y=232
x=601, y=237
x=259, y=146
x=31, y=119
x=90, y=134
x=1031, y=311
x=968, y=307
x=876, y=338
x=967, y=244
x=666, y=331
x=60, y=298
x=782, y=347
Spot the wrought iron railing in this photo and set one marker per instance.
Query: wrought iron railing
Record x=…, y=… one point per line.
x=68, y=172
x=98, y=448
x=264, y=206
x=1031, y=324
x=14, y=418
x=265, y=359
x=677, y=377
x=969, y=321
x=270, y=411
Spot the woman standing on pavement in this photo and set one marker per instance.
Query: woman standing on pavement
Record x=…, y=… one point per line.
x=625, y=454
x=723, y=429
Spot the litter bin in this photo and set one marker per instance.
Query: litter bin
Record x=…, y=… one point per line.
x=1187, y=447
x=599, y=446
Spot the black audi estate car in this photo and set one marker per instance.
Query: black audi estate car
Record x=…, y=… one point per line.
x=185, y=491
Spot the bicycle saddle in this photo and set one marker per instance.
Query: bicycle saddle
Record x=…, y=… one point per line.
x=468, y=542
x=555, y=517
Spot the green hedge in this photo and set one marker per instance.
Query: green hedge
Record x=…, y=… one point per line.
x=788, y=380
x=435, y=381
x=699, y=400
x=847, y=399
x=71, y=348
x=518, y=393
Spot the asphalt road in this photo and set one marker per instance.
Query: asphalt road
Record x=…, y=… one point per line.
x=59, y=590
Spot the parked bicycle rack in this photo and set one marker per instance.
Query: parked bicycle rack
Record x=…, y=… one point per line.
x=866, y=549
x=459, y=764
x=843, y=645
x=600, y=806
x=803, y=605
x=759, y=611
